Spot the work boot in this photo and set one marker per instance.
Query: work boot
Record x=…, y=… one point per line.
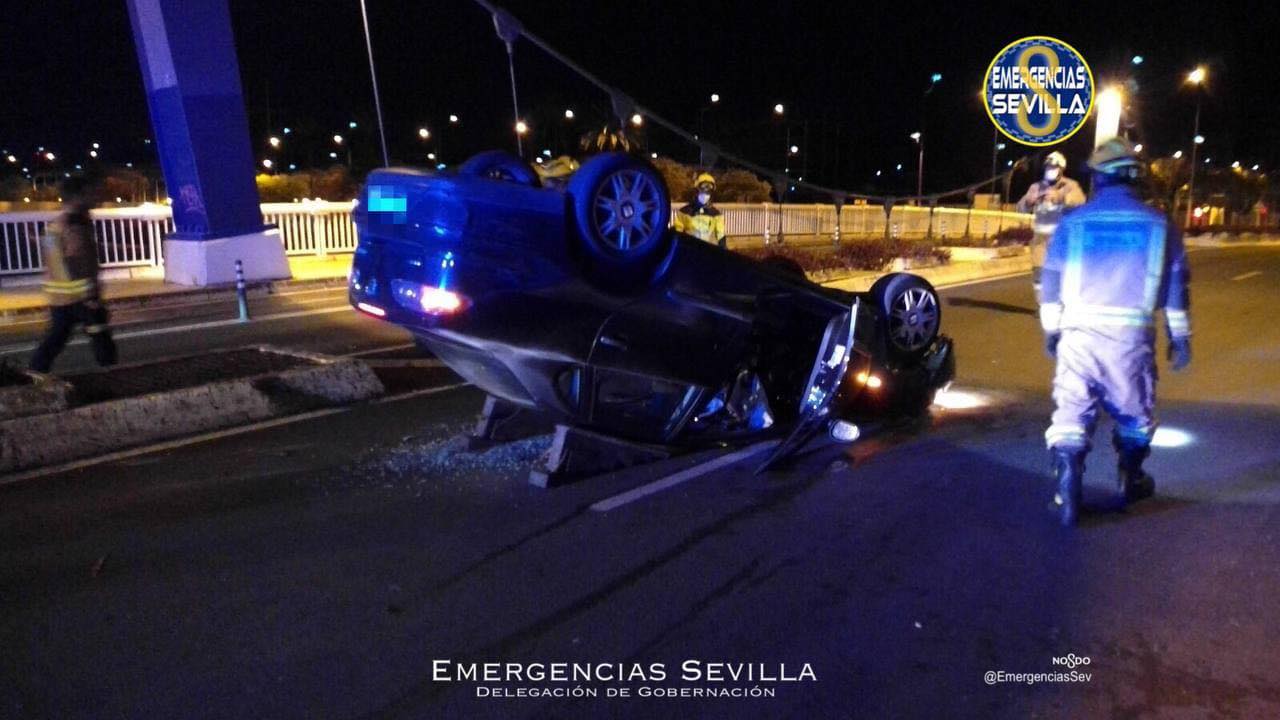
x=1132, y=482
x=1068, y=471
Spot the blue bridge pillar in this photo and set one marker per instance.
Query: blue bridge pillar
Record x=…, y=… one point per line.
x=192, y=79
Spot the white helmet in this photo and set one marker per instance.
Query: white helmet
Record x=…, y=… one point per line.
x=1055, y=159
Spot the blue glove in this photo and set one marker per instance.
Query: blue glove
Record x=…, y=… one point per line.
x=1179, y=352
x=1051, y=345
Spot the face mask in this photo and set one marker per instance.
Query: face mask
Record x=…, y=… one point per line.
x=704, y=198
x=1052, y=173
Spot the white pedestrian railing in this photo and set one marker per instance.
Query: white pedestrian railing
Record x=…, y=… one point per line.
x=862, y=221
x=133, y=236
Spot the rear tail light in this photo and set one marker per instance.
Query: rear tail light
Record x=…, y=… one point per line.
x=438, y=301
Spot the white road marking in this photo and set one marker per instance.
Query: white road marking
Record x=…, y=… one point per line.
x=1246, y=276
x=385, y=348
x=214, y=435
x=161, y=305
x=685, y=475
x=404, y=362
x=28, y=347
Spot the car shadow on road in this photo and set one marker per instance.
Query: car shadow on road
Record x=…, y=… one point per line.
x=990, y=305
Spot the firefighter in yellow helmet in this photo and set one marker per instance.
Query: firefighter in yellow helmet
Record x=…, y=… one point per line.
x=700, y=218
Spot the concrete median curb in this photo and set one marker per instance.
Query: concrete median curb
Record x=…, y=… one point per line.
x=949, y=274
x=111, y=425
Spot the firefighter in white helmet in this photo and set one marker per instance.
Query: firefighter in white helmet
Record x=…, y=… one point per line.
x=700, y=218
x=1047, y=199
x=1111, y=265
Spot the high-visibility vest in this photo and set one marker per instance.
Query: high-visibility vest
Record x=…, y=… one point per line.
x=70, y=260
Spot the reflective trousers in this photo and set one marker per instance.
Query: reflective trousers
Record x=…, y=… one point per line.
x=1114, y=368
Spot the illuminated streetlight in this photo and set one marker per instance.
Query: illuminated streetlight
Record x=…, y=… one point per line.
x=919, y=138
x=424, y=133
x=431, y=156
x=935, y=78
x=333, y=154
x=1110, y=105
x=715, y=97
x=1137, y=148
x=1195, y=77
x=521, y=127
x=795, y=149
x=899, y=167
x=1177, y=155
x=453, y=118
x=1137, y=59
x=877, y=173
x=546, y=152
x=93, y=153
x=288, y=130
x=1255, y=168
x=50, y=157
x=12, y=159
x=568, y=114
x=778, y=109
x=352, y=124
x=1235, y=165
x=637, y=120
x=653, y=155
x=267, y=163
x=96, y=146
x=273, y=141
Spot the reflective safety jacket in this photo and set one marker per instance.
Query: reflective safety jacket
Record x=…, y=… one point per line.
x=1112, y=263
x=1048, y=200
x=701, y=221
x=70, y=259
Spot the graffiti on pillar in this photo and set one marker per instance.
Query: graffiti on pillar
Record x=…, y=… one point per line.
x=191, y=208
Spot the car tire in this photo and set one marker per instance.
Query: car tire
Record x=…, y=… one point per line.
x=500, y=165
x=910, y=314
x=620, y=209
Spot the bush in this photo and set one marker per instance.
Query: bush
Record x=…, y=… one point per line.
x=732, y=186
x=873, y=255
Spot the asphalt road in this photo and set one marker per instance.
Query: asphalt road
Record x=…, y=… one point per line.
x=322, y=568
x=314, y=319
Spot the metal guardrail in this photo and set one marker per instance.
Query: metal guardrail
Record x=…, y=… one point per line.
x=133, y=236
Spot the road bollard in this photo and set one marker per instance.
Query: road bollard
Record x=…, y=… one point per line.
x=241, y=297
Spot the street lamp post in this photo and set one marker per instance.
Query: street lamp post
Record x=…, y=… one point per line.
x=715, y=100
x=919, y=138
x=1196, y=78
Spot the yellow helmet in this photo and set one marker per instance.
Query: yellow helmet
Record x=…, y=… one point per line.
x=705, y=179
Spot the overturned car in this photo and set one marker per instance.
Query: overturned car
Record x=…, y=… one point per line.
x=579, y=303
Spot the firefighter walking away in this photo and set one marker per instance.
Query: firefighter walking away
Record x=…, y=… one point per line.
x=71, y=279
x=1110, y=266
